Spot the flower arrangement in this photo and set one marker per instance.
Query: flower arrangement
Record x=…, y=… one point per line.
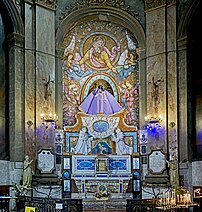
x=179, y=190
x=102, y=193
x=19, y=189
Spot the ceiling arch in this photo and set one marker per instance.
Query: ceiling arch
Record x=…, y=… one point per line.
x=11, y=17
x=95, y=13
x=186, y=18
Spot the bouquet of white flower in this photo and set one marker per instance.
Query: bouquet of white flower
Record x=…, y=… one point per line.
x=102, y=192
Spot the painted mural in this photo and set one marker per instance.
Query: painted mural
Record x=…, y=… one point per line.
x=100, y=88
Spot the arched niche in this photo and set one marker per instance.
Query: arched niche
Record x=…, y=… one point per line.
x=96, y=13
x=187, y=69
x=95, y=79
x=11, y=17
x=186, y=18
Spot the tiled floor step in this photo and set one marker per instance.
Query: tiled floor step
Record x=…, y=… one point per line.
x=108, y=210
x=112, y=205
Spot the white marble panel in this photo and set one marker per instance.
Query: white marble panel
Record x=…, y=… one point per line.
x=196, y=173
x=47, y=191
x=155, y=31
x=45, y=30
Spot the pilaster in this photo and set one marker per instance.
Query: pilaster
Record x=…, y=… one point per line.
x=45, y=71
x=49, y=4
x=59, y=86
x=156, y=74
x=142, y=87
x=182, y=99
x=16, y=96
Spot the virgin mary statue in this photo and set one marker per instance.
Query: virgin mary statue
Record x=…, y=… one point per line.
x=100, y=101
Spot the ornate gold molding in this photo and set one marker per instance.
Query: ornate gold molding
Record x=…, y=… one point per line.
x=119, y=4
x=113, y=3
x=47, y=3
x=152, y=4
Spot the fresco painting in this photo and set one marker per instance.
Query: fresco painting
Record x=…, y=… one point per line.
x=100, y=79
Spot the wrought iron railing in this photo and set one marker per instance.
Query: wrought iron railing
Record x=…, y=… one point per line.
x=142, y=205
x=49, y=205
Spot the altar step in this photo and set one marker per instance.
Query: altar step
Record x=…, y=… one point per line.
x=106, y=210
x=113, y=205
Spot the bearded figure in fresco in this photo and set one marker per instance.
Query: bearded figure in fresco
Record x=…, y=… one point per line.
x=99, y=55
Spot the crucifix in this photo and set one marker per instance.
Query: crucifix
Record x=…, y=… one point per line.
x=155, y=92
x=47, y=90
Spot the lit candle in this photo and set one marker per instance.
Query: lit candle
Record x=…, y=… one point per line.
x=189, y=196
x=178, y=198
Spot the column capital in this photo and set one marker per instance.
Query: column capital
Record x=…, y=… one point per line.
x=15, y=39
x=153, y=4
x=50, y=4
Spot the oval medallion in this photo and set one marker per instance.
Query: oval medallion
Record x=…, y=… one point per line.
x=101, y=126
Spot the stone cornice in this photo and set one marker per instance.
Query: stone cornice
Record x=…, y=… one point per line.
x=109, y=14
x=119, y=4
x=29, y=1
x=15, y=39
x=171, y=2
x=50, y=4
x=152, y=4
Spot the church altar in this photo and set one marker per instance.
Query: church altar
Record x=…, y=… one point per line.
x=109, y=172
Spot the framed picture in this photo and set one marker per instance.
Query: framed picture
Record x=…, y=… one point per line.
x=58, y=159
x=66, y=163
x=66, y=185
x=136, y=163
x=144, y=160
x=131, y=140
x=143, y=149
x=71, y=139
x=59, y=149
x=101, y=164
x=136, y=185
